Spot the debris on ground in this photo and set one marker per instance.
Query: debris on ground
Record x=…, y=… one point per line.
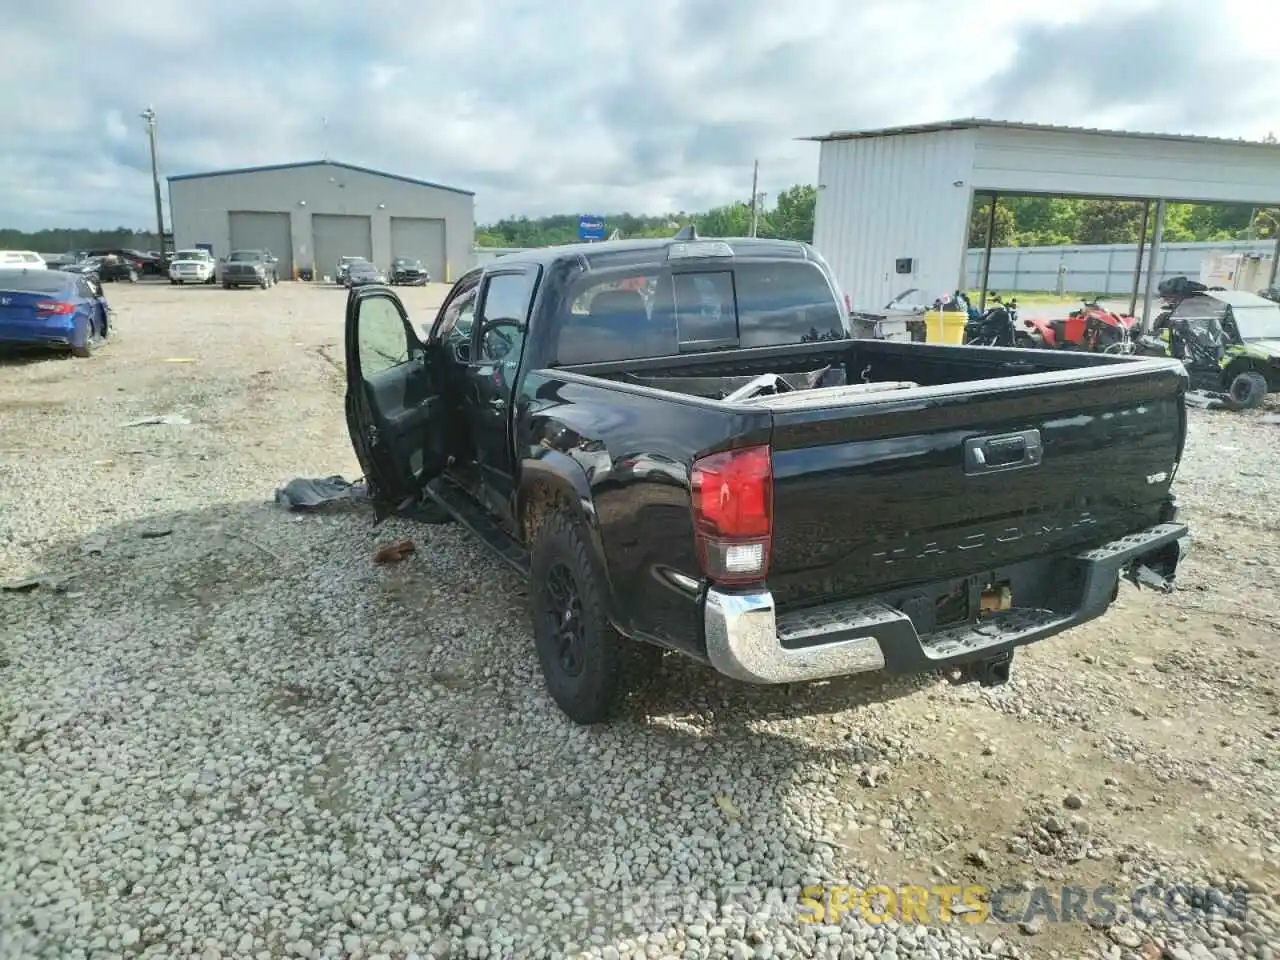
x=164, y=419
x=395, y=552
x=58, y=583
x=1206, y=400
x=302, y=493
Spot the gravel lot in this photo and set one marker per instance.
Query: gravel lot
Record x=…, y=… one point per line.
x=225, y=732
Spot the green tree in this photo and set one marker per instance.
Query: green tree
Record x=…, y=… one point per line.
x=792, y=217
x=1109, y=221
x=1005, y=225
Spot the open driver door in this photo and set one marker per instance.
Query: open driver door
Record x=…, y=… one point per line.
x=395, y=402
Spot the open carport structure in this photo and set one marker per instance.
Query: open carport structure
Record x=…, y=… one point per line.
x=894, y=204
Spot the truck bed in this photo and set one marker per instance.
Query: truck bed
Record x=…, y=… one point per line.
x=969, y=460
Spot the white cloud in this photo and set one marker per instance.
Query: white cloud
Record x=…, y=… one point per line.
x=564, y=105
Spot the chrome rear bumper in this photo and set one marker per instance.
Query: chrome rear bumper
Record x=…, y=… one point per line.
x=748, y=640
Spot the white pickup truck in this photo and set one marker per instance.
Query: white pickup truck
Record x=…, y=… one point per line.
x=192, y=266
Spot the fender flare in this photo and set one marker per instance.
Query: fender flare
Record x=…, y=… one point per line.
x=566, y=477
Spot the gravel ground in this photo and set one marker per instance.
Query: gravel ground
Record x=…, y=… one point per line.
x=225, y=732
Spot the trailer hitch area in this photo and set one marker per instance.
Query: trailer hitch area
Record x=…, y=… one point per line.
x=992, y=672
x=1156, y=569
x=1140, y=575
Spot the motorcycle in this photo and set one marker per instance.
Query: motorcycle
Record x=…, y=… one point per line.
x=1092, y=328
x=995, y=327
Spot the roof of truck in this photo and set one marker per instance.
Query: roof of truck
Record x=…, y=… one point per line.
x=607, y=250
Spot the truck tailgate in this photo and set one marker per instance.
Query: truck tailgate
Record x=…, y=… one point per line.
x=949, y=481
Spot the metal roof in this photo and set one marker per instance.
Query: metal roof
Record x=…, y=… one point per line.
x=1240, y=298
x=977, y=123
x=319, y=163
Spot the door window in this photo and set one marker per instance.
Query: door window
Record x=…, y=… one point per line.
x=381, y=336
x=455, y=320
x=503, y=317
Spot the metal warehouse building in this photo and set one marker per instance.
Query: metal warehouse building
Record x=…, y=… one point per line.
x=894, y=204
x=311, y=214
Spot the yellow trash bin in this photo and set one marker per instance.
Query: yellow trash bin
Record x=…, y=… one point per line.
x=944, y=326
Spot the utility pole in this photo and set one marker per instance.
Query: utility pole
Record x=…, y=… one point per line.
x=149, y=115
x=755, y=197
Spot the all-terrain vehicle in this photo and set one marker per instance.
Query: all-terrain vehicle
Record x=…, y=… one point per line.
x=1093, y=328
x=1228, y=340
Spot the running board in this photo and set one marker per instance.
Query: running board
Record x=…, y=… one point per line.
x=468, y=513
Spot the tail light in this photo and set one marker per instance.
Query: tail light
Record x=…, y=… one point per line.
x=54, y=308
x=733, y=514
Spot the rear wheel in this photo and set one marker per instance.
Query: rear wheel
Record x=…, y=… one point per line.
x=85, y=349
x=586, y=664
x=1248, y=390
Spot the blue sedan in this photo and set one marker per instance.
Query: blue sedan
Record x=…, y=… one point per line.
x=49, y=308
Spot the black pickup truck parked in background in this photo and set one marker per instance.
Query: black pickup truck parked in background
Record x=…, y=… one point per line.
x=679, y=445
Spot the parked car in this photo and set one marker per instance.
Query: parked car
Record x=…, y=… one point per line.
x=49, y=308
x=344, y=263
x=362, y=273
x=708, y=464
x=405, y=270
x=107, y=269
x=248, y=268
x=192, y=266
x=132, y=257
x=26, y=259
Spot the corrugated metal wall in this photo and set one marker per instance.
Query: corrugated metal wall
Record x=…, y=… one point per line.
x=1095, y=269
x=887, y=198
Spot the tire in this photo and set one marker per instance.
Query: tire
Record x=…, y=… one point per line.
x=1248, y=390
x=85, y=350
x=226, y=286
x=1024, y=341
x=586, y=665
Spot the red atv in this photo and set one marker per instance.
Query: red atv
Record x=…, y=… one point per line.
x=1092, y=328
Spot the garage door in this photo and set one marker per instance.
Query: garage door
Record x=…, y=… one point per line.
x=419, y=239
x=264, y=231
x=338, y=236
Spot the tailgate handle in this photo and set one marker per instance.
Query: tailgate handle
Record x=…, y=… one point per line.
x=1009, y=451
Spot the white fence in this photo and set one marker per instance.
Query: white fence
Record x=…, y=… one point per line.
x=1104, y=268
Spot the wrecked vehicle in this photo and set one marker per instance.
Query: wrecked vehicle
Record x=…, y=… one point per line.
x=1229, y=342
x=681, y=447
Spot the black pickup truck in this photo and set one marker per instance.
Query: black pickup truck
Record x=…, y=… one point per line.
x=680, y=445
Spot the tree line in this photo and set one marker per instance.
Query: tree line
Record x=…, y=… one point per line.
x=1019, y=222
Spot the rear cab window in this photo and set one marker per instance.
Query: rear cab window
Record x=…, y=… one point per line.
x=655, y=311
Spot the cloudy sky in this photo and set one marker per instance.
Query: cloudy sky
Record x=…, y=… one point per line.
x=568, y=105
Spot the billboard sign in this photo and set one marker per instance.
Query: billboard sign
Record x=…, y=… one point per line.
x=590, y=228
